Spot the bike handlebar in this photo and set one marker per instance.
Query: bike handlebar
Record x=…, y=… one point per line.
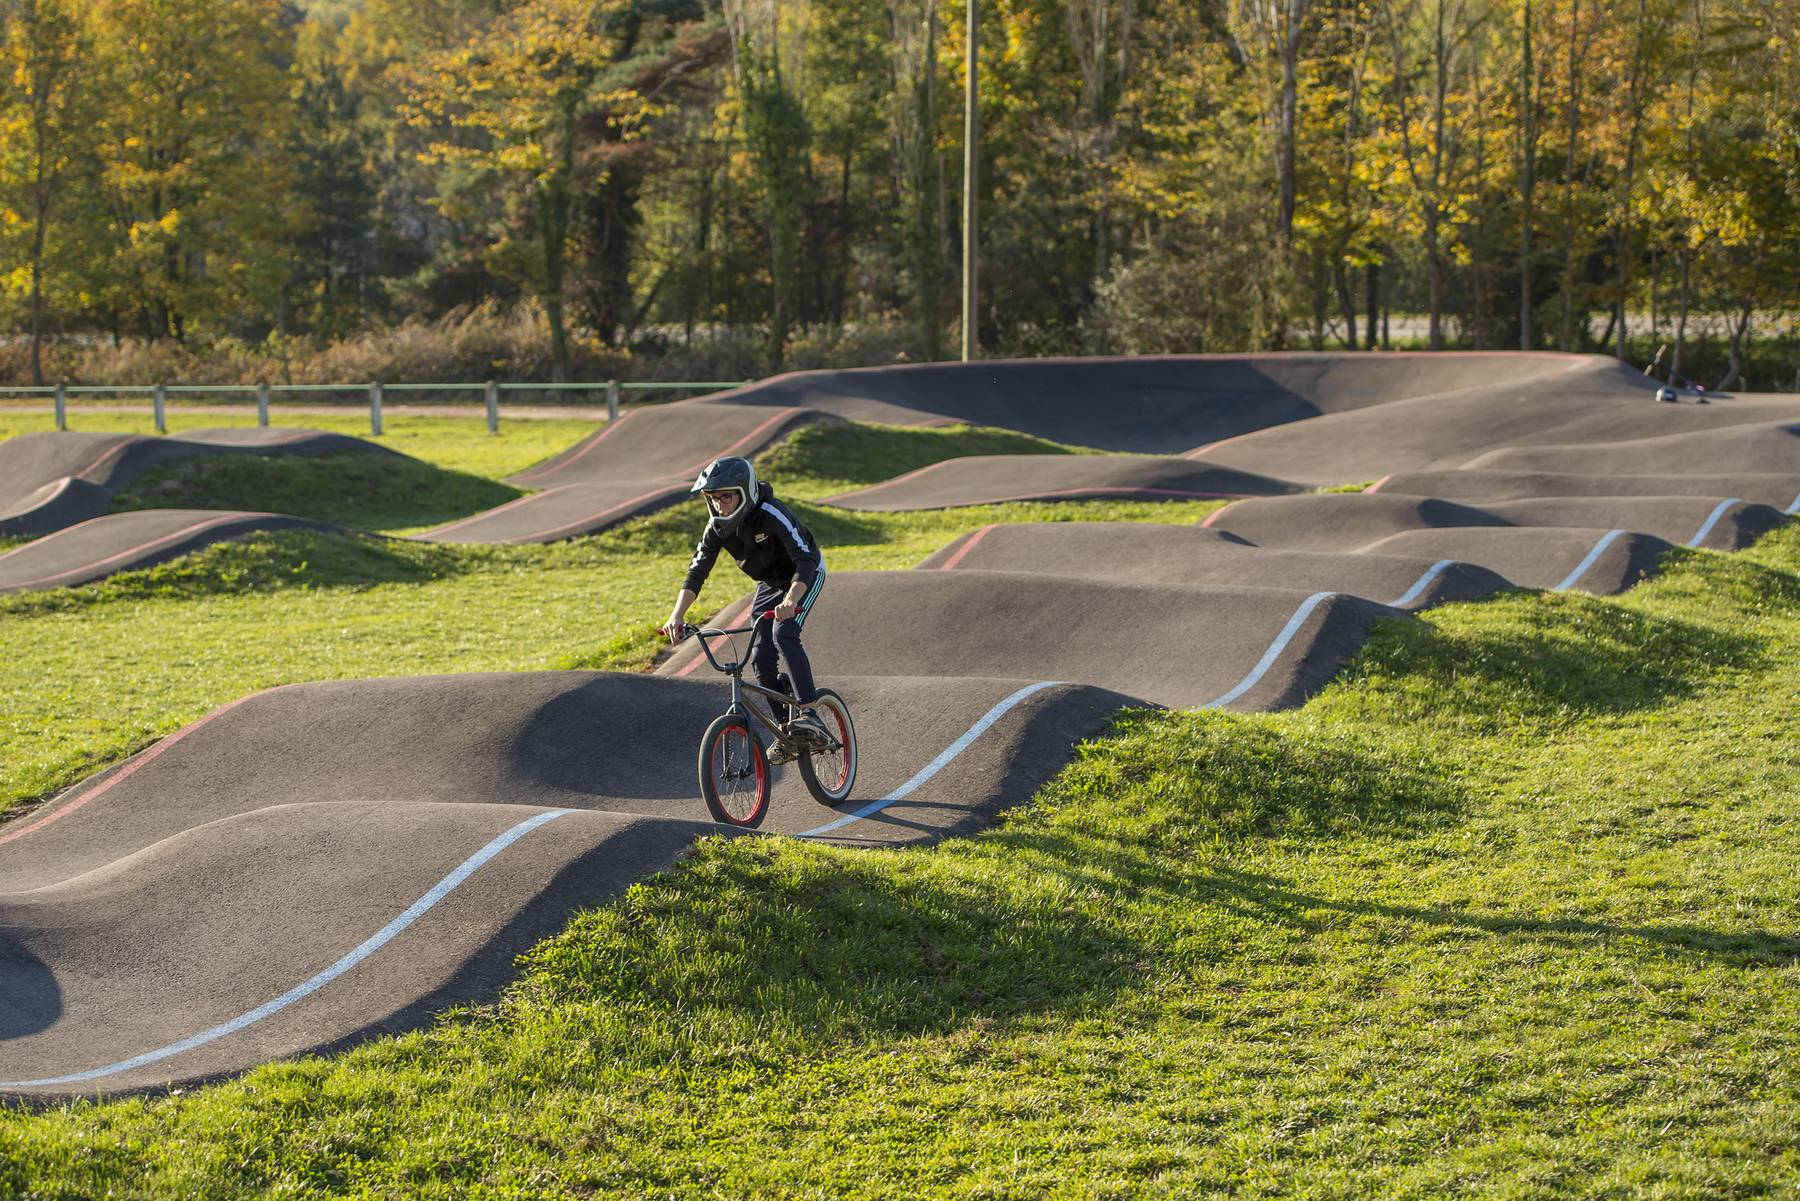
x=689, y=630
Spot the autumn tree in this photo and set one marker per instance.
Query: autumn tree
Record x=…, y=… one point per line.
x=46, y=141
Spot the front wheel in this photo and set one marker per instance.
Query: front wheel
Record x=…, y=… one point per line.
x=734, y=772
x=830, y=774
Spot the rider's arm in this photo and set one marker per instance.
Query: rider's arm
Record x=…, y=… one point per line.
x=705, y=555
x=672, y=627
x=804, y=554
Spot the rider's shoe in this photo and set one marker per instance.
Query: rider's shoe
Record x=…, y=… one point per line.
x=807, y=727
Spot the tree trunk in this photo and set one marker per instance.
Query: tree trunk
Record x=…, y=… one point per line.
x=1372, y=302
x=1527, y=182
x=1622, y=247
x=1346, y=302
x=1288, y=113
x=1739, y=330
x=1566, y=335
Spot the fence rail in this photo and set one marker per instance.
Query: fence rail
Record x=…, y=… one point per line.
x=376, y=390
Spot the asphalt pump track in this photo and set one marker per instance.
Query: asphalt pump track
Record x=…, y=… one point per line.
x=312, y=864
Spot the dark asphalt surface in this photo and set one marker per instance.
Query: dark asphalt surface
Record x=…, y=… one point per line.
x=993, y=479
x=322, y=861
x=53, y=480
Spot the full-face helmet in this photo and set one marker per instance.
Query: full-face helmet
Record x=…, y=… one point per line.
x=722, y=477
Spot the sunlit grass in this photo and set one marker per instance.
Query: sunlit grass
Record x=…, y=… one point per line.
x=1507, y=911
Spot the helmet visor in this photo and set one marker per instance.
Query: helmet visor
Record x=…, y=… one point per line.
x=723, y=502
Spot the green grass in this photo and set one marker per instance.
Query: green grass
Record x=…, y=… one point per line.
x=363, y=491
x=1507, y=911
x=452, y=443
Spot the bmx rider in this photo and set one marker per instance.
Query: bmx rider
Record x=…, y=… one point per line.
x=774, y=548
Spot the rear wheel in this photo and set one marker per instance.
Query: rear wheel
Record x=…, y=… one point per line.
x=830, y=774
x=734, y=772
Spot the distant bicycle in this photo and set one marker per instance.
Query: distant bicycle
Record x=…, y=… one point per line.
x=734, y=766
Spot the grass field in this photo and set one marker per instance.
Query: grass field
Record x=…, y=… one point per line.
x=1507, y=911
x=453, y=443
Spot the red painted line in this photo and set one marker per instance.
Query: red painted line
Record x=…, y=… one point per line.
x=968, y=546
x=781, y=415
x=1376, y=486
x=699, y=655
x=153, y=544
x=1212, y=446
x=487, y=513
x=111, y=452
x=55, y=488
x=1123, y=490
x=626, y=506
x=1214, y=516
x=130, y=769
x=899, y=479
x=598, y=438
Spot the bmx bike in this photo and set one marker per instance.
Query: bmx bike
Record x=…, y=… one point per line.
x=734, y=764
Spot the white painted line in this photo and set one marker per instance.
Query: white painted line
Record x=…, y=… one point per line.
x=1275, y=648
x=936, y=765
x=375, y=942
x=1412, y=594
x=1793, y=508
x=1593, y=556
x=1711, y=521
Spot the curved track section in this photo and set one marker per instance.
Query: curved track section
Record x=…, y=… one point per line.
x=95, y=549
x=1353, y=521
x=1156, y=404
x=996, y=479
x=53, y=480
x=644, y=461
x=318, y=862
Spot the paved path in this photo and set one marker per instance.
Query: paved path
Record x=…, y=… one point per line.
x=308, y=865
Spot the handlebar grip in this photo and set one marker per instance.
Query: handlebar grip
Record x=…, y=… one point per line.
x=767, y=615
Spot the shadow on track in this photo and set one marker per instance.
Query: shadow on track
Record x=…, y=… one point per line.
x=31, y=999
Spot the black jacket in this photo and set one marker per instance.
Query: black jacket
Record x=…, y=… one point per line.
x=770, y=544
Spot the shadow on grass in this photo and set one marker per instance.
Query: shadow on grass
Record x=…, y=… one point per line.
x=809, y=941
x=1267, y=899
x=262, y=562
x=1056, y=912
x=1552, y=656
x=366, y=492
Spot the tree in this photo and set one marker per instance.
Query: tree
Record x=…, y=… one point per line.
x=513, y=102
x=46, y=136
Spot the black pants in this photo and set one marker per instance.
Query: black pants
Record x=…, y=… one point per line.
x=787, y=639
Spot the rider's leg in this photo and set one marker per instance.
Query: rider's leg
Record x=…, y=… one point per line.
x=787, y=637
x=799, y=667
x=766, y=662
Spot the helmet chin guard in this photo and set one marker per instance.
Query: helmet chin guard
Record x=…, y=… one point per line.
x=730, y=474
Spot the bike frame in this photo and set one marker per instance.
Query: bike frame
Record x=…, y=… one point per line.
x=735, y=669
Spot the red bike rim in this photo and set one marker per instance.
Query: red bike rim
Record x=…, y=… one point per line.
x=843, y=740
x=742, y=734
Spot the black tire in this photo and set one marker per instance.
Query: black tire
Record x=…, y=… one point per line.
x=830, y=775
x=734, y=772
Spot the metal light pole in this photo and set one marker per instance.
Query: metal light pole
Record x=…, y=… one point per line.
x=971, y=164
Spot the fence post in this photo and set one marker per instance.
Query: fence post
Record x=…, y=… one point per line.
x=157, y=399
x=62, y=405
x=493, y=406
x=375, y=408
x=612, y=400
x=262, y=404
